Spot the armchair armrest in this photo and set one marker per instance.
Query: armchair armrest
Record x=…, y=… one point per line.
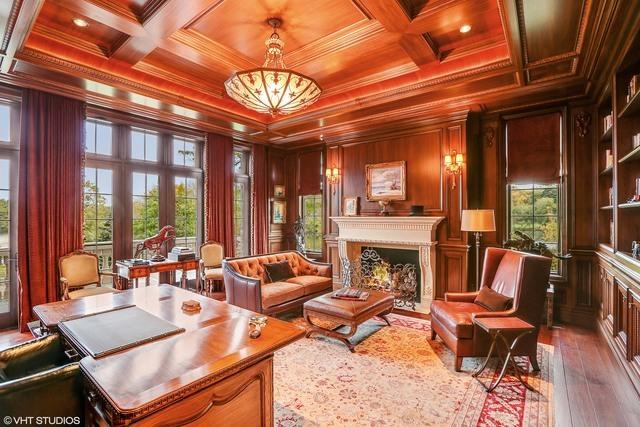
x=64, y=284
x=242, y=291
x=460, y=296
x=54, y=393
x=32, y=356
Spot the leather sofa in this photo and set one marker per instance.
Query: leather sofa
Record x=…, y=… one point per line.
x=518, y=275
x=37, y=379
x=247, y=284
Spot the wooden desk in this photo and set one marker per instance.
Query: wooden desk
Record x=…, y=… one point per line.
x=135, y=272
x=212, y=374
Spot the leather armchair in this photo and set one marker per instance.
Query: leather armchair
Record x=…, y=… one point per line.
x=518, y=275
x=37, y=379
x=79, y=272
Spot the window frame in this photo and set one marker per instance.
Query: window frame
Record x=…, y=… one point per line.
x=319, y=214
x=123, y=166
x=561, y=276
x=10, y=150
x=243, y=177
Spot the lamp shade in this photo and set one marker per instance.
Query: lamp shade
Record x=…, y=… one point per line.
x=479, y=220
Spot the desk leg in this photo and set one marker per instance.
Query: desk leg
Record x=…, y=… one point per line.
x=198, y=283
x=183, y=279
x=147, y=280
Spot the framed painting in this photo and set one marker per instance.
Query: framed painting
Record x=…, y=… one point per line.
x=386, y=181
x=278, y=190
x=350, y=206
x=279, y=212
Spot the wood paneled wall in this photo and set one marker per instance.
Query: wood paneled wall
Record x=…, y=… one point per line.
x=427, y=184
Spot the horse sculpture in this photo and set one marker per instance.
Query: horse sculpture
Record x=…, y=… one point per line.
x=154, y=243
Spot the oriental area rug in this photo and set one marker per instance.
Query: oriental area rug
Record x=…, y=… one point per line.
x=398, y=377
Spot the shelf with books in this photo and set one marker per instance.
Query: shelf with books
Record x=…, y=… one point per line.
x=629, y=205
x=632, y=155
x=607, y=170
x=606, y=136
x=607, y=207
x=633, y=106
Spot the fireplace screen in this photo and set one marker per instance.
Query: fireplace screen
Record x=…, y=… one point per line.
x=370, y=271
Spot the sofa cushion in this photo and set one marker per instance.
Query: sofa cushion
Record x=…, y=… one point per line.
x=456, y=316
x=312, y=284
x=280, y=292
x=278, y=271
x=492, y=300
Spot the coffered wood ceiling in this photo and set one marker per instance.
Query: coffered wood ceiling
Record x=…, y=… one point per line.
x=381, y=63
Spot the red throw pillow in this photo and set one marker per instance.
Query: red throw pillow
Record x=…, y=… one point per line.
x=279, y=271
x=492, y=300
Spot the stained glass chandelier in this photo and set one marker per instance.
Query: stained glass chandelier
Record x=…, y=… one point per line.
x=273, y=88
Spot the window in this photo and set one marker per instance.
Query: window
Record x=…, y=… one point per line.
x=534, y=211
x=8, y=208
x=5, y=240
x=184, y=152
x=144, y=145
x=98, y=137
x=186, y=213
x=5, y=123
x=311, y=207
x=98, y=214
x=241, y=195
x=146, y=206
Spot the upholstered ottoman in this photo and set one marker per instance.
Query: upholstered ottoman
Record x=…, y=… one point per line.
x=346, y=312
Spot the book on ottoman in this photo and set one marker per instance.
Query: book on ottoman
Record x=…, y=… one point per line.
x=351, y=294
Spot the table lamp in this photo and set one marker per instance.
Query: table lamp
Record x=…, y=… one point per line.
x=478, y=221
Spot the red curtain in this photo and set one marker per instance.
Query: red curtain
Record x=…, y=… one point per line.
x=50, y=193
x=259, y=212
x=218, y=198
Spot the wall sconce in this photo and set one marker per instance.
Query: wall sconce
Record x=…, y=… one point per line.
x=453, y=165
x=333, y=176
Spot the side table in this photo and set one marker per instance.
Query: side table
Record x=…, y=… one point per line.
x=500, y=328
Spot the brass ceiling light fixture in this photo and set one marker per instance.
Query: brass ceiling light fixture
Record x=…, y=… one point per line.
x=273, y=88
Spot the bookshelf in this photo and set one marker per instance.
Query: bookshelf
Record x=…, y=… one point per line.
x=605, y=165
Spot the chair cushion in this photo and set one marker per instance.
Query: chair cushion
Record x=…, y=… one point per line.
x=492, y=300
x=279, y=271
x=280, y=292
x=456, y=316
x=312, y=284
x=213, y=273
x=86, y=292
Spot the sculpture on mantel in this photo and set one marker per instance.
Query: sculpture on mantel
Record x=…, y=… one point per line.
x=383, y=207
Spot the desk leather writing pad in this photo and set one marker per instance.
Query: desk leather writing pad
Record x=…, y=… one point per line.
x=108, y=332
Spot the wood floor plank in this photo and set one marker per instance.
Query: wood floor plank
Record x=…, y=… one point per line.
x=560, y=394
x=581, y=407
x=607, y=408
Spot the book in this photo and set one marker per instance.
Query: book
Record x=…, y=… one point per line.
x=352, y=294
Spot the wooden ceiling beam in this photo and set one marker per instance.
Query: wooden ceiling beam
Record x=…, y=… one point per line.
x=121, y=19
x=19, y=24
x=513, y=33
x=393, y=16
x=168, y=18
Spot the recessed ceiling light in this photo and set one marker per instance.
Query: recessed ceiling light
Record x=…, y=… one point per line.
x=79, y=22
x=465, y=28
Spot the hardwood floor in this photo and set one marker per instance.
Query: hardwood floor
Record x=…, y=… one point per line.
x=590, y=386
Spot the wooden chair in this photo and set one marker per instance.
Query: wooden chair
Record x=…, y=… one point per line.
x=79, y=273
x=211, y=256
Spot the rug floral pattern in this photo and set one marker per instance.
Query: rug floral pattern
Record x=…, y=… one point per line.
x=398, y=377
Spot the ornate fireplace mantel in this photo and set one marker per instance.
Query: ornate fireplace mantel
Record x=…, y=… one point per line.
x=403, y=232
